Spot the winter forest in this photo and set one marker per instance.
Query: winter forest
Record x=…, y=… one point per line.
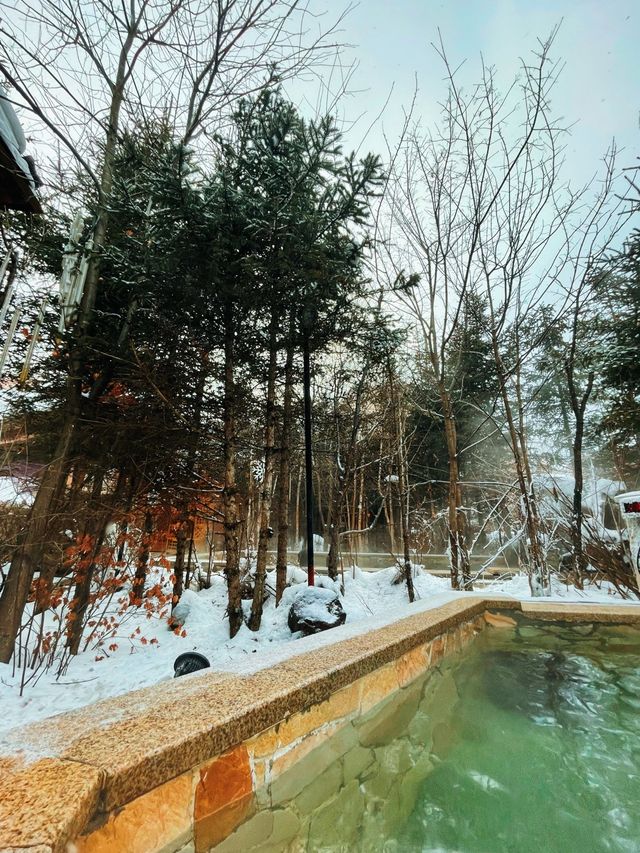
x=465, y=316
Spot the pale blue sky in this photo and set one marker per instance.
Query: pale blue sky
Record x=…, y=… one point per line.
x=599, y=43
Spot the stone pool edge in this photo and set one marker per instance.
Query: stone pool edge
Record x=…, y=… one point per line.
x=164, y=749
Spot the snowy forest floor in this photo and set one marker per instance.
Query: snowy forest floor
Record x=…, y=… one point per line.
x=144, y=657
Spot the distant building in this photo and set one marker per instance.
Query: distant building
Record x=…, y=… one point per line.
x=18, y=178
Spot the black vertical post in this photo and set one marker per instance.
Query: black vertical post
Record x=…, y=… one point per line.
x=308, y=460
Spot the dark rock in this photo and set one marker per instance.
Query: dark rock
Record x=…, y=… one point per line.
x=316, y=609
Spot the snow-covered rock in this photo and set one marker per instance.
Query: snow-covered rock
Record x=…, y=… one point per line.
x=316, y=609
x=180, y=613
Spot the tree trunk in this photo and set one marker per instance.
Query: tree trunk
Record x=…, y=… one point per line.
x=579, y=560
x=52, y=555
x=124, y=526
x=403, y=483
x=343, y=469
x=578, y=406
x=95, y=533
x=318, y=499
x=566, y=427
x=298, y=493
x=537, y=568
x=404, y=497
x=389, y=515
x=190, y=556
x=458, y=553
x=211, y=542
x=266, y=492
x=336, y=506
x=362, y=514
x=28, y=555
x=178, y=566
x=231, y=500
x=250, y=527
x=142, y=566
x=284, y=478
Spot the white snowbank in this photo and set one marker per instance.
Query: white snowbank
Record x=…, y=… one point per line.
x=371, y=601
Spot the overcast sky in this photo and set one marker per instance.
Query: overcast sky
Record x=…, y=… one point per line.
x=598, y=41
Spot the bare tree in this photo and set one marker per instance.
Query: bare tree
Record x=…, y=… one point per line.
x=602, y=223
x=478, y=207
x=399, y=414
x=345, y=452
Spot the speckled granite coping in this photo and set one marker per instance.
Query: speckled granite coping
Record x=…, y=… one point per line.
x=612, y=614
x=80, y=768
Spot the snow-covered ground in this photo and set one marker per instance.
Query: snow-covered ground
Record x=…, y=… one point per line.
x=371, y=600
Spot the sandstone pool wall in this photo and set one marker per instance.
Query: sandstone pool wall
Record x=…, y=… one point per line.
x=186, y=764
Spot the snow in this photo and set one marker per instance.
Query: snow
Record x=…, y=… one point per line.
x=371, y=600
x=518, y=587
x=13, y=136
x=311, y=603
x=15, y=491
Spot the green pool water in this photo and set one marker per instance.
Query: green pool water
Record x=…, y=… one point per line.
x=544, y=753
x=527, y=742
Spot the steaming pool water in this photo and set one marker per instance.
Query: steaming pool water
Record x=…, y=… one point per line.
x=526, y=742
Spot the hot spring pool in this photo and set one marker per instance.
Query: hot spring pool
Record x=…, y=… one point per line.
x=526, y=742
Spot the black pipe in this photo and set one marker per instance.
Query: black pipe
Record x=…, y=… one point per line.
x=189, y=662
x=308, y=460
